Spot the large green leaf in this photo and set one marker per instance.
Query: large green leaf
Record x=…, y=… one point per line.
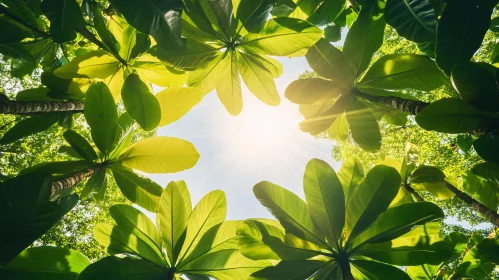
x=488, y=171
x=290, y=270
x=325, y=200
x=258, y=79
x=459, y=39
x=282, y=36
x=482, y=190
x=372, y=197
x=45, y=263
x=138, y=189
x=413, y=19
x=159, y=19
x=29, y=127
x=399, y=220
x=195, y=53
x=172, y=220
x=452, y=115
x=311, y=90
x=259, y=239
x=94, y=64
x=475, y=269
x=160, y=155
x=123, y=269
x=153, y=70
x=224, y=265
x=176, y=102
x=251, y=14
x=204, y=77
x=371, y=270
x=102, y=116
x=365, y=37
x=122, y=240
x=476, y=83
x=25, y=209
x=331, y=63
x=209, y=212
x=81, y=145
x=11, y=31
x=363, y=125
x=106, y=36
x=487, y=147
x=65, y=17
x=326, y=12
x=140, y=103
x=404, y=71
x=289, y=209
x=350, y=175
x=427, y=174
x=229, y=84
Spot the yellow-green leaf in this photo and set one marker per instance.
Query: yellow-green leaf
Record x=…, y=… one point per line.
x=176, y=102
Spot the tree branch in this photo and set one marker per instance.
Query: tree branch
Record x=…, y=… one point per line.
x=410, y=106
x=34, y=107
x=73, y=179
x=413, y=192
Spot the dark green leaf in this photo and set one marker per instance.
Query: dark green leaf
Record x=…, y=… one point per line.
x=140, y=103
x=427, y=174
x=363, y=125
x=372, y=270
x=459, y=39
x=482, y=190
x=413, y=19
x=487, y=147
x=81, y=145
x=96, y=185
x=65, y=17
x=487, y=170
x=326, y=12
x=29, y=127
x=253, y=13
x=11, y=31
x=106, y=36
x=123, y=269
x=464, y=142
x=332, y=33
x=289, y=270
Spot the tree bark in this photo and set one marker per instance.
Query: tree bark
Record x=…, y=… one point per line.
x=490, y=215
x=73, y=179
x=413, y=192
x=35, y=107
x=412, y=107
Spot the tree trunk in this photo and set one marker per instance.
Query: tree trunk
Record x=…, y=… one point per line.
x=73, y=179
x=346, y=270
x=35, y=107
x=413, y=192
x=412, y=107
x=490, y=215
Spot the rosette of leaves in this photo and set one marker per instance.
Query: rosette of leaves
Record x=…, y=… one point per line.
x=229, y=40
x=472, y=258
x=348, y=98
x=344, y=230
x=113, y=154
x=197, y=244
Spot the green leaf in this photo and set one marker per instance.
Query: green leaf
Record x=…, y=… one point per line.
x=94, y=64
x=140, y=103
x=176, y=102
x=404, y=71
x=11, y=31
x=363, y=125
x=58, y=167
x=281, y=36
x=290, y=270
x=260, y=240
x=365, y=269
x=153, y=70
x=80, y=145
x=365, y=37
x=487, y=170
x=475, y=269
x=311, y=90
x=222, y=10
x=372, y=197
x=29, y=126
x=459, y=242
x=289, y=209
x=326, y=12
x=482, y=190
x=160, y=155
x=132, y=220
x=325, y=200
x=161, y=20
x=487, y=147
x=339, y=130
x=96, y=185
x=399, y=220
x=458, y=39
x=209, y=212
x=119, y=240
x=122, y=268
x=229, y=84
x=172, y=220
x=45, y=263
x=105, y=35
x=102, y=116
x=195, y=53
x=476, y=83
x=332, y=33
x=464, y=142
x=258, y=79
x=331, y=63
x=205, y=75
x=138, y=189
x=252, y=14
x=65, y=17
x=452, y=115
x=427, y=174
x=350, y=175
x=224, y=265
x=414, y=20
x=274, y=66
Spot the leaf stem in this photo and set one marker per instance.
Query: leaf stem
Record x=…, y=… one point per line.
x=413, y=192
